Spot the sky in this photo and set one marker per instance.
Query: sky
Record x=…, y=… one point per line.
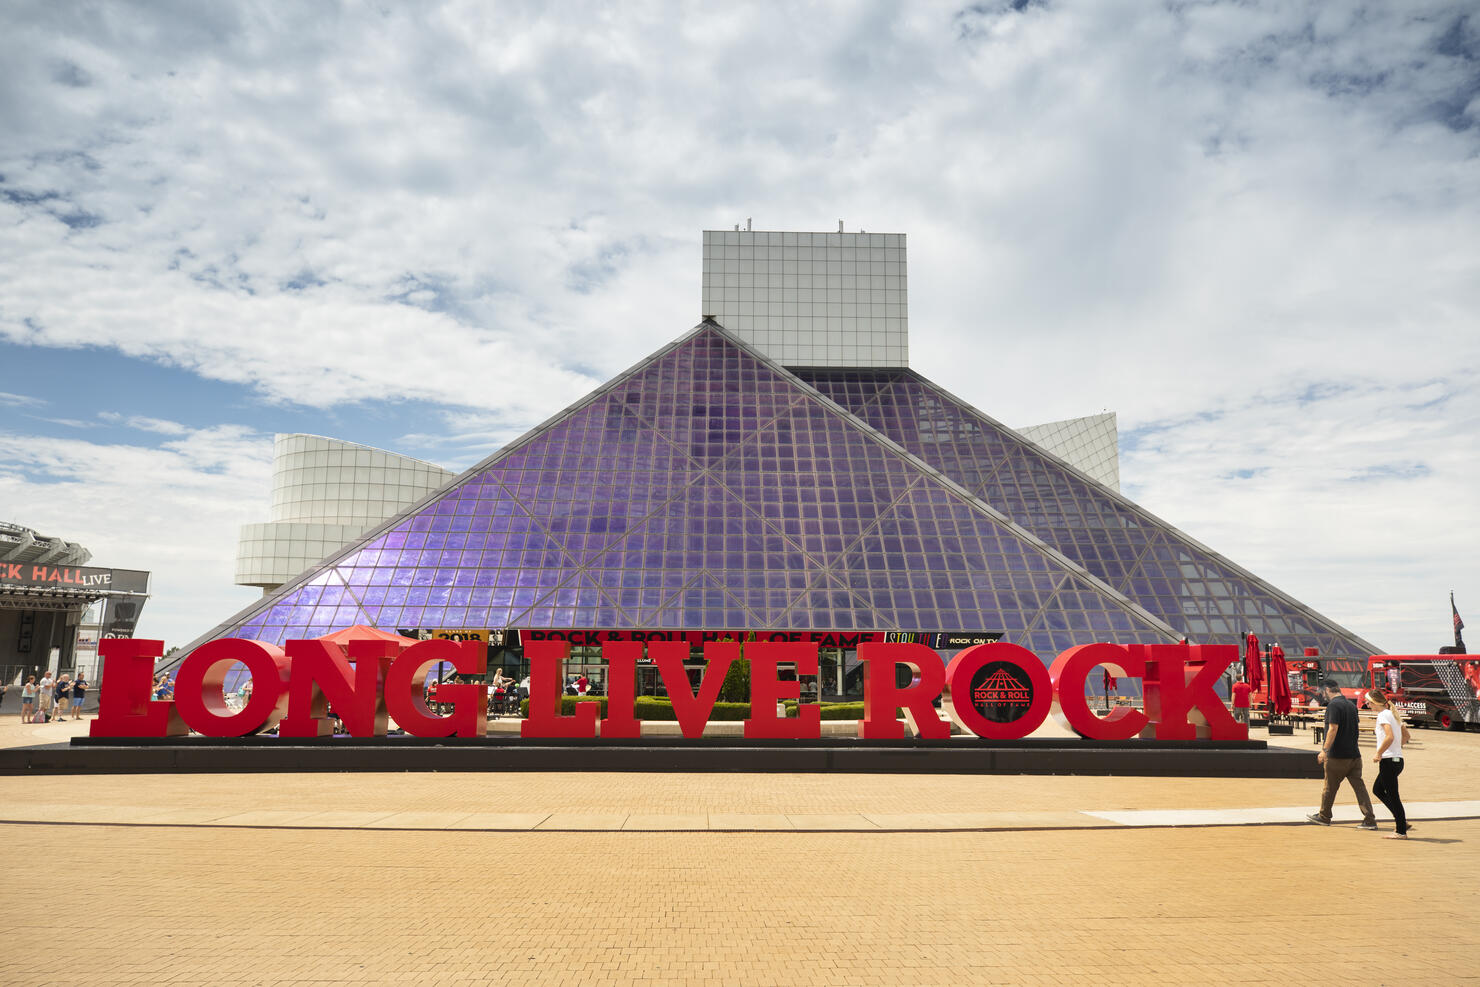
x=1250, y=229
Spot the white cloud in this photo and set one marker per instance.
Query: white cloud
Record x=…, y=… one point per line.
x=1358, y=500
x=144, y=423
x=173, y=510
x=1156, y=209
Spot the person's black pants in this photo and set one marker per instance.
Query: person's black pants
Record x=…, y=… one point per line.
x=1386, y=789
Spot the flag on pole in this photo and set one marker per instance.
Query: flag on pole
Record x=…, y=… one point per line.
x=1459, y=625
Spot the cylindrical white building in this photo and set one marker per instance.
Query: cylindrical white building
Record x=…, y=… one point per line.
x=325, y=493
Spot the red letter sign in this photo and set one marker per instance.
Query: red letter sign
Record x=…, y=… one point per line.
x=766, y=690
x=1026, y=691
x=881, y=697
x=1070, y=671
x=546, y=682
x=692, y=711
x=1173, y=690
x=621, y=688
x=403, y=690
x=200, y=687
x=319, y=674
x=125, y=706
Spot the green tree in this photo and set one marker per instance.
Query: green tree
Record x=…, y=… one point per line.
x=736, y=687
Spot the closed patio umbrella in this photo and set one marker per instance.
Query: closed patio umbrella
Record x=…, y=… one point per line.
x=1279, y=681
x=1253, y=667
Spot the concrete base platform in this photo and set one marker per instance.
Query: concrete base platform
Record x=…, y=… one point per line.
x=1237, y=759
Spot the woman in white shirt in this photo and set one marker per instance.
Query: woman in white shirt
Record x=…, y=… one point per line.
x=1391, y=735
x=28, y=699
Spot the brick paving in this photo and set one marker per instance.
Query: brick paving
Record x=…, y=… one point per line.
x=184, y=903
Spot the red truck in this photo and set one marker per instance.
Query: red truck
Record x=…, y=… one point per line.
x=1430, y=690
x=1306, y=674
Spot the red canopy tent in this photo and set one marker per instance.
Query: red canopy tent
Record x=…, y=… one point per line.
x=342, y=638
x=363, y=632
x=1253, y=666
x=1279, y=681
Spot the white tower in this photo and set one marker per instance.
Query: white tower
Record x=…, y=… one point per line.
x=811, y=299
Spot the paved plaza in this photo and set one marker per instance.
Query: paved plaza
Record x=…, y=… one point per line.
x=452, y=879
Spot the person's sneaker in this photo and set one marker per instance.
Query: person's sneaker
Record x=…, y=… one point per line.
x=1366, y=824
x=1316, y=818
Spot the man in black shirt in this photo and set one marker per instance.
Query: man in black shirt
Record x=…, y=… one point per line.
x=1341, y=758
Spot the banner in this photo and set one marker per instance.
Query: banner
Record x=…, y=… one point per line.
x=78, y=578
x=121, y=616
x=944, y=640
x=75, y=578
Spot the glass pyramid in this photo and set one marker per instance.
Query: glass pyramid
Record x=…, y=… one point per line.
x=705, y=489
x=1193, y=589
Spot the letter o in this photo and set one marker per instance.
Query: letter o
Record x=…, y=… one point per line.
x=957, y=698
x=200, y=696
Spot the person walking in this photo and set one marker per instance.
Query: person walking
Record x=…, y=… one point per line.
x=1391, y=734
x=1241, y=692
x=1341, y=758
x=28, y=699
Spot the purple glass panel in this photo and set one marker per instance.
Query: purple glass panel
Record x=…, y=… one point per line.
x=705, y=490
x=1152, y=561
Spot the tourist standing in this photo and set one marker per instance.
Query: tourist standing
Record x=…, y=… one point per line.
x=62, y=696
x=1391, y=734
x=47, y=687
x=1241, y=692
x=79, y=694
x=1341, y=758
x=28, y=699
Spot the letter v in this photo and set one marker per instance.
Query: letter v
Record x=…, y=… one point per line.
x=692, y=711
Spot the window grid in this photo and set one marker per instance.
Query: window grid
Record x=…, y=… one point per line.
x=705, y=490
x=1200, y=595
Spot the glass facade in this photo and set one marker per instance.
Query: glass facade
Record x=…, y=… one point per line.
x=705, y=489
x=1199, y=593
x=710, y=489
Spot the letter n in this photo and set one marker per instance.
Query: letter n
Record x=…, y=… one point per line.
x=319, y=675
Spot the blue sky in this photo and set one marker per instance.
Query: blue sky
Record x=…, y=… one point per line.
x=1251, y=229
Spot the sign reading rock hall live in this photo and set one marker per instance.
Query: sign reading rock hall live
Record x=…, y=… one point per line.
x=997, y=690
